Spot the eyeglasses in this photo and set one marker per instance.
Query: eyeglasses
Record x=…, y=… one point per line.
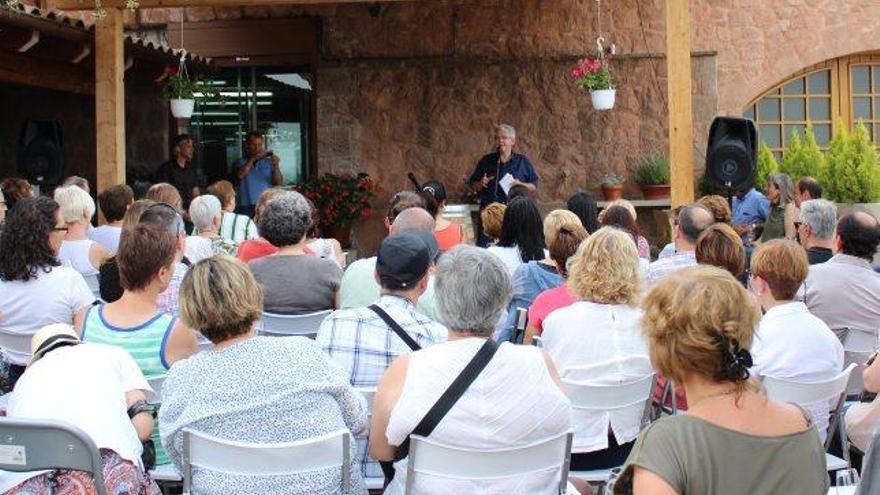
x=60, y=229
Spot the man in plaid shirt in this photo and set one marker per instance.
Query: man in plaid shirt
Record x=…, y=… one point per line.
x=692, y=220
x=362, y=341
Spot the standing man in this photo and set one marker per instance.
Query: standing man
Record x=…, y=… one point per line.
x=178, y=172
x=499, y=171
x=258, y=170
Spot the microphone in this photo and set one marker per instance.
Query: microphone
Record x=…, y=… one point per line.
x=412, y=178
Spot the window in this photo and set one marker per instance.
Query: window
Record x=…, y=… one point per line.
x=865, y=99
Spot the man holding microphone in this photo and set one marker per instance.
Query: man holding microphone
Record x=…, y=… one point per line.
x=257, y=171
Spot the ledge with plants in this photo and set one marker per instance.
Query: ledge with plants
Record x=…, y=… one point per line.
x=652, y=175
x=612, y=186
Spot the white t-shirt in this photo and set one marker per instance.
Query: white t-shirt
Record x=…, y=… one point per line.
x=107, y=236
x=76, y=254
x=602, y=344
x=198, y=248
x=84, y=385
x=794, y=344
x=26, y=307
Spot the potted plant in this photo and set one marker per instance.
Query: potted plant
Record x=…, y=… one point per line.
x=652, y=175
x=339, y=200
x=182, y=93
x=594, y=75
x=612, y=187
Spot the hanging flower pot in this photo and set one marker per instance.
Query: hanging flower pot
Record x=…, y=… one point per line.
x=182, y=108
x=603, y=99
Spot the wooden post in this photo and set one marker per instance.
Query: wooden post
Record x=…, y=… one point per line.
x=681, y=120
x=110, y=100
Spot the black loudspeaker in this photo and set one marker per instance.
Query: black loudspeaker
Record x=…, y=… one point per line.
x=731, y=157
x=41, y=152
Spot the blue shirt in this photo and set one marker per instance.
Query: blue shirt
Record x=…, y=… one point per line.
x=255, y=182
x=752, y=208
x=518, y=166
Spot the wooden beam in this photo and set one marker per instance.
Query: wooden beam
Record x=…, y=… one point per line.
x=148, y=4
x=681, y=120
x=110, y=100
x=42, y=73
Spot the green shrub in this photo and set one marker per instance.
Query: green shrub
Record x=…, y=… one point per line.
x=802, y=158
x=850, y=174
x=766, y=166
x=653, y=171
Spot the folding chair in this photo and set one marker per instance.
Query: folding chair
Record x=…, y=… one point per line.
x=307, y=325
x=429, y=457
x=858, y=346
x=32, y=445
x=16, y=342
x=870, y=483
x=369, y=394
x=332, y=450
x=94, y=285
x=807, y=393
x=589, y=396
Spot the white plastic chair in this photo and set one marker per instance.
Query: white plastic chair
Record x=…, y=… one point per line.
x=156, y=385
x=31, y=445
x=369, y=394
x=433, y=458
x=307, y=325
x=94, y=284
x=16, y=342
x=332, y=450
x=606, y=398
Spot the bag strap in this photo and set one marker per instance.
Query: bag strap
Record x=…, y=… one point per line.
x=394, y=326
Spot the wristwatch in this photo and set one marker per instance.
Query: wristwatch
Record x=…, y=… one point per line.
x=138, y=407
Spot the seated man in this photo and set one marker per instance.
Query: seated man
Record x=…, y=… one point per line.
x=691, y=222
x=750, y=210
x=815, y=229
x=844, y=292
x=791, y=343
x=360, y=340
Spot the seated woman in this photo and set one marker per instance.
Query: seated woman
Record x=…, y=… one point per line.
x=719, y=245
x=235, y=227
x=447, y=232
x=35, y=290
x=156, y=340
x=16, y=189
x=490, y=221
x=322, y=247
x=534, y=277
x=522, y=236
x=293, y=282
x=584, y=206
x=78, y=251
x=516, y=399
x=114, y=202
x=619, y=217
x=96, y=388
x=641, y=242
x=599, y=340
x=204, y=211
x=733, y=439
x=258, y=247
x=254, y=389
x=108, y=277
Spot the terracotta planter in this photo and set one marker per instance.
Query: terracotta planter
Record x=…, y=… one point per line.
x=341, y=232
x=656, y=191
x=612, y=192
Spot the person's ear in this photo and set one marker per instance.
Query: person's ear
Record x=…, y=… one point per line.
x=838, y=244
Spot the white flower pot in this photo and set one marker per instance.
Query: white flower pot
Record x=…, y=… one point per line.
x=182, y=109
x=603, y=99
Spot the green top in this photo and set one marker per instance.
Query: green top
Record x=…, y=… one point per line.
x=774, y=227
x=696, y=457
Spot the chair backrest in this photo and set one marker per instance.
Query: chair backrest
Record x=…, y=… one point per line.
x=859, y=358
x=608, y=397
x=16, y=342
x=31, y=445
x=870, y=483
x=94, y=284
x=332, y=450
x=156, y=385
x=432, y=458
x=306, y=325
x=805, y=393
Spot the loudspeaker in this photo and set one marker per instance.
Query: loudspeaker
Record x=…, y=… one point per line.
x=732, y=154
x=40, y=152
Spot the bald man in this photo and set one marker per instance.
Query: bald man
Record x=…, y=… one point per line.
x=692, y=220
x=844, y=292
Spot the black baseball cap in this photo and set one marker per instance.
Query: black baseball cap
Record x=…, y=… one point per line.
x=405, y=258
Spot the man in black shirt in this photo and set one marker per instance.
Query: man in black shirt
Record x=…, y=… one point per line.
x=178, y=171
x=816, y=229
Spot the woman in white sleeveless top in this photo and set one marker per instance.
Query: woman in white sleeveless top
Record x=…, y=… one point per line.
x=515, y=401
x=78, y=251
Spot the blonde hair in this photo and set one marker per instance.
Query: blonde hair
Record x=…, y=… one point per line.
x=555, y=220
x=133, y=213
x=224, y=190
x=718, y=206
x=605, y=268
x=75, y=204
x=264, y=198
x=696, y=320
x=220, y=297
x=164, y=192
x=492, y=217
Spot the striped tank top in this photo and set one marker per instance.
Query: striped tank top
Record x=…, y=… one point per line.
x=145, y=342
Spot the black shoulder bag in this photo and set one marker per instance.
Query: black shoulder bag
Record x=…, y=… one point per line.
x=444, y=403
x=395, y=327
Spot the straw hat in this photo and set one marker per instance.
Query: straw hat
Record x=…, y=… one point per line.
x=51, y=336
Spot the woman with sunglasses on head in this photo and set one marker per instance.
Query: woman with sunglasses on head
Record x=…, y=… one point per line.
x=35, y=290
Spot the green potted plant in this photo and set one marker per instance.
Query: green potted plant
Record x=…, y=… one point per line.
x=612, y=187
x=339, y=199
x=652, y=175
x=182, y=92
x=594, y=75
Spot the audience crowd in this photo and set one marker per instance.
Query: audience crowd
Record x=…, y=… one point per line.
x=136, y=332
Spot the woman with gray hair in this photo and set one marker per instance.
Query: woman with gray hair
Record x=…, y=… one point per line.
x=783, y=212
x=206, y=214
x=472, y=288
x=293, y=281
x=78, y=251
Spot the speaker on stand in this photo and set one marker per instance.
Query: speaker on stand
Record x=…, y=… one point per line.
x=41, y=153
x=732, y=154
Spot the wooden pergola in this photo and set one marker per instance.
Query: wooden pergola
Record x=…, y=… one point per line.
x=110, y=99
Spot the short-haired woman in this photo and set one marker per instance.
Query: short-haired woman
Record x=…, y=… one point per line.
x=258, y=247
x=599, y=340
x=16, y=189
x=254, y=389
x=114, y=202
x=516, y=399
x=156, y=340
x=491, y=219
x=164, y=192
x=522, y=234
x=719, y=207
x=233, y=226
x=719, y=245
x=733, y=439
x=205, y=213
x=532, y=278
x=293, y=282
x=108, y=278
x=77, y=209
x=35, y=289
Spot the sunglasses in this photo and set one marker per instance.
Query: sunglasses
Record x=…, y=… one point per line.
x=178, y=226
x=60, y=229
